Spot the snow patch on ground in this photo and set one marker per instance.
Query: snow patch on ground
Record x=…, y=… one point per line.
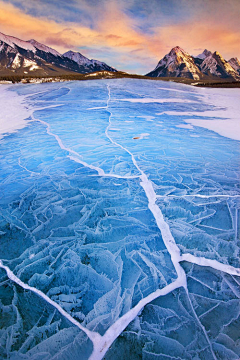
x=225, y=118
x=16, y=62
x=13, y=113
x=152, y=100
x=185, y=126
x=148, y=118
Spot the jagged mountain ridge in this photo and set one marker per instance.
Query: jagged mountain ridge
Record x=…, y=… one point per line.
x=204, y=54
x=215, y=65
x=31, y=57
x=235, y=63
x=19, y=57
x=92, y=65
x=178, y=63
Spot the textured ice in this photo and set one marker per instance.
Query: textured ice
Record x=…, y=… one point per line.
x=32, y=329
x=202, y=323
x=117, y=214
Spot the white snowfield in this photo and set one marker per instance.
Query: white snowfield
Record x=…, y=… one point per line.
x=13, y=117
x=146, y=100
x=225, y=120
x=13, y=112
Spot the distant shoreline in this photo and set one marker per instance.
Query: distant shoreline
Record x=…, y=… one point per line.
x=219, y=83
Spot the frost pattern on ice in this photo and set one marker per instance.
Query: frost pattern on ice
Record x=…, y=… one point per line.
x=173, y=326
x=111, y=257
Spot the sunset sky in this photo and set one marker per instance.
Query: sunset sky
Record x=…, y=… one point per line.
x=131, y=35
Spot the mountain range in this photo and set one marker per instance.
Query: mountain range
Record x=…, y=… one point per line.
x=18, y=57
x=207, y=65
x=24, y=58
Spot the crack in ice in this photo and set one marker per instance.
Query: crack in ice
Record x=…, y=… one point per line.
x=76, y=157
x=214, y=264
x=155, y=210
x=198, y=195
x=201, y=325
x=101, y=345
x=91, y=334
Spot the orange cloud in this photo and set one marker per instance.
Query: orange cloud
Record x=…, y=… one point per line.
x=202, y=35
x=115, y=30
x=15, y=22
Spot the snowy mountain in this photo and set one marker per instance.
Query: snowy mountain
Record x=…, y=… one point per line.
x=235, y=63
x=204, y=54
x=215, y=65
x=15, y=42
x=90, y=65
x=42, y=47
x=179, y=63
x=18, y=57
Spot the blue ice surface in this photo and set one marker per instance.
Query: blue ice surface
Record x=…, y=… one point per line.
x=90, y=242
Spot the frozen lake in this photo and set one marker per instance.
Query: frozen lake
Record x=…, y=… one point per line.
x=119, y=221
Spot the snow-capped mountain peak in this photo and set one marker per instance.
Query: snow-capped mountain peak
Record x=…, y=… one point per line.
x=177, y=63
x=235, y=63
x=177, y=50
x=43, y=47
x=90, y=65
x=13, y=42
x=204, y=54
x=216, y=65
x=20, y=57
x=78, y=57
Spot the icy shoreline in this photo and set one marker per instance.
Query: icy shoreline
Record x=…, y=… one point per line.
x=13, y=113
x=228, y=104
x=225, y=120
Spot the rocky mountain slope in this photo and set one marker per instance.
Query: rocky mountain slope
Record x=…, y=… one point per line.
x=177, y=63
x=208, y=65
x=18, y=57
x=235, y=63
x=90, y=65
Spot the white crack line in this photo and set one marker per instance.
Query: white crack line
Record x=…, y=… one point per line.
x=76, y=157
x=91, y=334
x=214, y=264
x=201, y=326
x=153, y=207
x=197, y=195
x=101, y=345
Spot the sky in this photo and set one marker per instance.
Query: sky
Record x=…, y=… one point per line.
x=130, y=35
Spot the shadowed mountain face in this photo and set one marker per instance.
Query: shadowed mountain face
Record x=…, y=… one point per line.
x=89, y=65
x=179, y=63
x=18, y=57
x=215, y=65
x=235, y=63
